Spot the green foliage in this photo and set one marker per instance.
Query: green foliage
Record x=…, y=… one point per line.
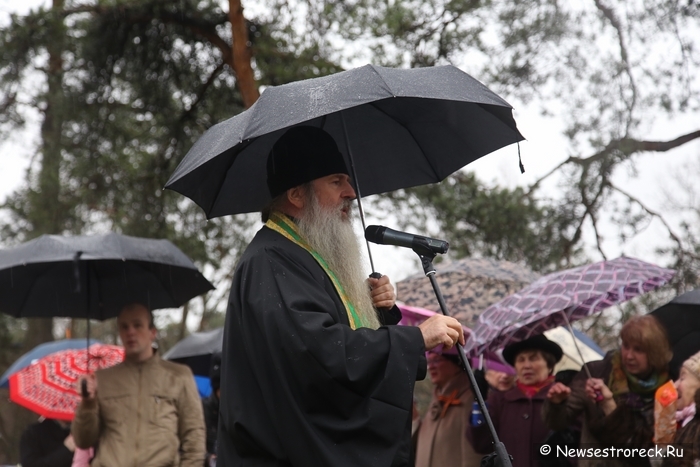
x=494, y=222
x=140, y=81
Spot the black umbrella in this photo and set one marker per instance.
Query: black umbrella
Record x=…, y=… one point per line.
x=397, y=128
x=196, y=350
x=95, y=276
x=681, y=318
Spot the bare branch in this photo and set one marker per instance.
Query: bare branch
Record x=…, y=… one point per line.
x=202, y=91
x=598, y=239
x=651, y=213
x=624, y=146
x=629, y=146
x=537, y=183
x=591, y=211
x=615, y=22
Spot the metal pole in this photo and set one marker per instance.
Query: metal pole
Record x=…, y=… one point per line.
x=357, y=187
x=571, y=330
x=426, y=256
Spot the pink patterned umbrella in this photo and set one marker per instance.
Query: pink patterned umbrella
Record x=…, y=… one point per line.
x=413, y=316
x=48, y=385
x=563, y=297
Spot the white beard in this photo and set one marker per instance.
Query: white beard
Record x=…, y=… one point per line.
x=335, y=240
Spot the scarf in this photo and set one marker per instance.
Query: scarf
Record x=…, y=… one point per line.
x=284, y=226
x=531, y=389
x=638, y=395
x=685, y=415
x=622, y=383
x=448, y=396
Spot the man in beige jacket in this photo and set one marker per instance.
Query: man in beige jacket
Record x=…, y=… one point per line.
x=147, y=411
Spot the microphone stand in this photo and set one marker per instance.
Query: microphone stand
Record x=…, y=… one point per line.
x=427, y=255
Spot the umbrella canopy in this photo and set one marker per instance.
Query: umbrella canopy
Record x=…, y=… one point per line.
x=42, y=350
x=48, y=386
x=570, y=295
x=571, y=345
x=196, y=350
x=418, y=125
x=681, y=318
x=95, y=276
x=413, y=316
x=468, y=286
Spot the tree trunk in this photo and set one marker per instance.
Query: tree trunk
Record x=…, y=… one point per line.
x=183, y=324
x=46, y=213
x=242, y=55
x=206, y=314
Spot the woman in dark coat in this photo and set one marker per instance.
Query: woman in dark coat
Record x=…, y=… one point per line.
x=516, y=413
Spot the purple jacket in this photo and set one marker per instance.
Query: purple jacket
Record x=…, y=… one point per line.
x=518, y=422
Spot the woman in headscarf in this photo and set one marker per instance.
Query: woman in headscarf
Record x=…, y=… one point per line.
x=617, y=402
x=439, y=438
x=688, y=431
x=516, y=413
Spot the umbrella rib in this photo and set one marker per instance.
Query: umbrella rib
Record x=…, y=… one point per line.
x=222, y=181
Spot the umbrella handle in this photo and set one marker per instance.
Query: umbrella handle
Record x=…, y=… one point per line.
x=598, y=394
x=83, y=389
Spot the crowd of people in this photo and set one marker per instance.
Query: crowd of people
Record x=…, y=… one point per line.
x=621, y=402
x=314, y=373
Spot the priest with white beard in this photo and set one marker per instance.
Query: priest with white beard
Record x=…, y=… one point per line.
x=315, y=371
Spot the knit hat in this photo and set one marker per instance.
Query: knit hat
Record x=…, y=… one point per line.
x=692, y=365
x=302, y=154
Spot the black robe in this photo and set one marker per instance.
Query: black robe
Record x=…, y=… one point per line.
x=299, y=387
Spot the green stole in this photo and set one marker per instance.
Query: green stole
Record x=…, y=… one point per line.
x=284, y=226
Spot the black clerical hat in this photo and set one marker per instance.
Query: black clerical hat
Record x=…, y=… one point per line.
x=302, y=154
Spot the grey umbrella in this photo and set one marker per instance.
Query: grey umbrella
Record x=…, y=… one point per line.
x=95, y=276
x=196, y=350
x=397, y=128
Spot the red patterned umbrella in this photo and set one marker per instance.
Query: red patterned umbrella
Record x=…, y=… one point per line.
x=562, y=297
x=48, y=385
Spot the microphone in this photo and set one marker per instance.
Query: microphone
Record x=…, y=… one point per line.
x=386, y=236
